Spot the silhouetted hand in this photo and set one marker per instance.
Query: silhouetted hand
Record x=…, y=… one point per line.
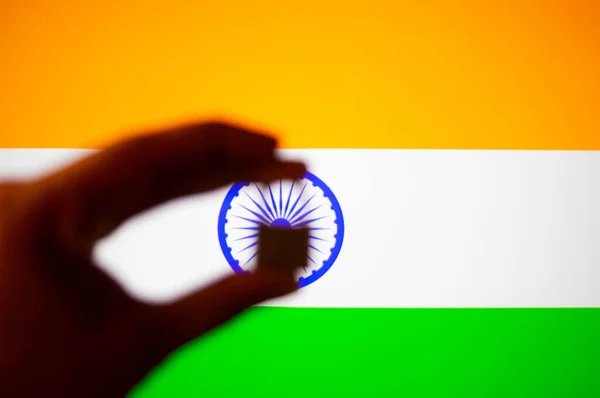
x=66, y=328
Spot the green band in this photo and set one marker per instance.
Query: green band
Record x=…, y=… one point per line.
x=346, y=352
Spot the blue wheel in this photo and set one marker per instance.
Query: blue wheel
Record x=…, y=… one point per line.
x=285, y=204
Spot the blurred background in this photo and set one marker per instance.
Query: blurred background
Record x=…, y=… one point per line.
x=427, y=74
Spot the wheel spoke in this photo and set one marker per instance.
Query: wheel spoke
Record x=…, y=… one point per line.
x=310, y=204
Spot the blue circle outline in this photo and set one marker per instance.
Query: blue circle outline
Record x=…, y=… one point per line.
x=234, y=191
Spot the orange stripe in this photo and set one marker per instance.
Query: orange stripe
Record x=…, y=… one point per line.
x=417, y=74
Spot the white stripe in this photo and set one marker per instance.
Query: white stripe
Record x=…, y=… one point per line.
x=424, y=228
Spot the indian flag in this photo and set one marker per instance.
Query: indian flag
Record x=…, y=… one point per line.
x=452, y=194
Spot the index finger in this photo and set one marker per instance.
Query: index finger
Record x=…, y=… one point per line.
x=91, y=198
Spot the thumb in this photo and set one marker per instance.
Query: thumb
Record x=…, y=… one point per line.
x=149, y=333
x=208, y=308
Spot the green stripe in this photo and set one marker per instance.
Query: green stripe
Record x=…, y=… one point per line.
x=344, y=352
